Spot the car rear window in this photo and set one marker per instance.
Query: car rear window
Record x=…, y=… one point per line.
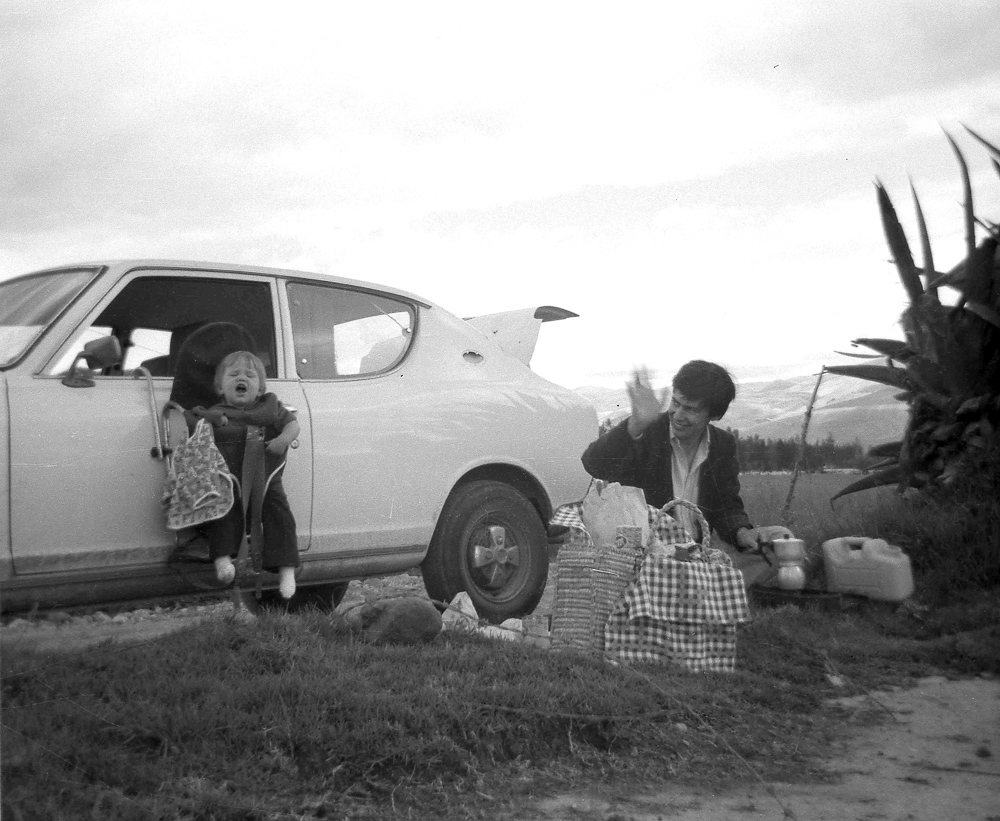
x=29, y=304
x=344, y=333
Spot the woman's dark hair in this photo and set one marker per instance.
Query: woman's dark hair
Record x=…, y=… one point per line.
x=708, y=383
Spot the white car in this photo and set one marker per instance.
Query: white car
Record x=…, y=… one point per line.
x=426, y=440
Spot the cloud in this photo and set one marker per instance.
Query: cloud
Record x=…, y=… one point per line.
x=861, y=51
x=752, y=190
x=620, y=162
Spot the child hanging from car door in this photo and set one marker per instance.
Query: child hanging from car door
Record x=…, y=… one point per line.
x=241, y=384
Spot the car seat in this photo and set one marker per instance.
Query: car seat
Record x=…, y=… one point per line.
x=166, y=365
x=194, y=381
x=199, y=355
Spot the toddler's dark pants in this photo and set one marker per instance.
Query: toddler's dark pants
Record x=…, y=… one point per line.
x=280, y=541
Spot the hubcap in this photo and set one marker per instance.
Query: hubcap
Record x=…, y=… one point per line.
x=495, y=558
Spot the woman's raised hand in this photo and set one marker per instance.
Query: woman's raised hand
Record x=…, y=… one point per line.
x=646, y=404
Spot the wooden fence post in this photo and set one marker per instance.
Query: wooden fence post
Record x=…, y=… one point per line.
x=786, y=511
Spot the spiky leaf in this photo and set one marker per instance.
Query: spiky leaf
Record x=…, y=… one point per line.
x=890, y=476
x=898, y=245
x=954, y=347
x=859, y=355
x=967, y=209
x=925, y=245
x=947, y=432
x=989, y=146
x=980, y=271
x=893, y=348
x=888, y=449
x=896, y=377
x=929, y=376
x=984, y=312
x=973, y=405
x=952, y=278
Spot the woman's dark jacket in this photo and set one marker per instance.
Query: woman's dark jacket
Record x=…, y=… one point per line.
x=645, y=463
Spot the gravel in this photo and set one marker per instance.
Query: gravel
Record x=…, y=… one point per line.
x=67, y=631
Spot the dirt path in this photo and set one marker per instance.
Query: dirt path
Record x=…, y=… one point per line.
x=46, y=636
x=938, y=760
x=62, y=633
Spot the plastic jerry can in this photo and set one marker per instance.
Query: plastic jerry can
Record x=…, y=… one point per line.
x=867, y=567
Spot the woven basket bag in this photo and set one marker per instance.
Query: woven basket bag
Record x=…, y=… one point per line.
x=589, y=581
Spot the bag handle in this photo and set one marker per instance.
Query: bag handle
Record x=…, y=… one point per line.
x=706, y=531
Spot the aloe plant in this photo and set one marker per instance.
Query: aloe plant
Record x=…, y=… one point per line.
x=947, y=367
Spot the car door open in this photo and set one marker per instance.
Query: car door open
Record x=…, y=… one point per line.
x=101, y=437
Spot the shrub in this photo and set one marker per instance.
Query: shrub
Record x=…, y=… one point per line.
x=948, y=370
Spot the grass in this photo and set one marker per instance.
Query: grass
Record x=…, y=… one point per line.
x=290, y=718
x=813, y=518
x=953, y=539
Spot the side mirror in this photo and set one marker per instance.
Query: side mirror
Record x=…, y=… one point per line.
x=98, y=353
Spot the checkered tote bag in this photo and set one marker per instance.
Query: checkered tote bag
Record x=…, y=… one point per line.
x=665, y=530
x=682, y=608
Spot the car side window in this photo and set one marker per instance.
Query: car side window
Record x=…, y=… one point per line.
x=343, y=332
x=146, y=344
x=152, y=316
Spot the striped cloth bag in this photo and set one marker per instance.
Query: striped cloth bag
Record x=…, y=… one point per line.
x=590, y=580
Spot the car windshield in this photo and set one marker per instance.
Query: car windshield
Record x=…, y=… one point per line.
x=28, y=304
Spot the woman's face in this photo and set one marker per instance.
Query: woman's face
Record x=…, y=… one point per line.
x=688, y=418
x=240, y=383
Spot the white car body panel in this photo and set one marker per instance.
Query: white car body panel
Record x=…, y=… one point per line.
x=365, y=426
x=105, y=439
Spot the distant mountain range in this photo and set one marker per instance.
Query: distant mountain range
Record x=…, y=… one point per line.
x=847, y=408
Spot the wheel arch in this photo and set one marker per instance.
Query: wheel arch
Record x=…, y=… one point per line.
x=463, y=556
x=518, y=478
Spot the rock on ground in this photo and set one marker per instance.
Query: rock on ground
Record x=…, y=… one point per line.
x=405, y=620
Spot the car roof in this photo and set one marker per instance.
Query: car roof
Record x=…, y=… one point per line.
x=120, y=266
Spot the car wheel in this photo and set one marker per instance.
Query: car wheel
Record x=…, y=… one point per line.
x=324, y=597
x=490, y=543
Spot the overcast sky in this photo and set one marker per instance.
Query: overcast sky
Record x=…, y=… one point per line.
x=694, y=180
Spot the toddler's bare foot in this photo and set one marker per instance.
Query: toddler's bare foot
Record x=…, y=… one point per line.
x=286, y=582
x=225, y=570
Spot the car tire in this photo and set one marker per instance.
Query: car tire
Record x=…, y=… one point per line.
x=490, y=543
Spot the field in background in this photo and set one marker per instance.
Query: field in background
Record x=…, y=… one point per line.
x=812, y=517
